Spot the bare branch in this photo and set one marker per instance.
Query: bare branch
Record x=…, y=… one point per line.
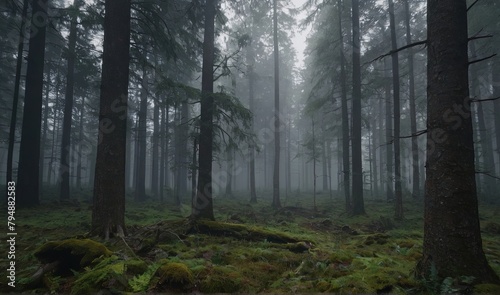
x=486, y=99
x=481, y=59
x=472, y=5
x=423, y=42
x=487, y=174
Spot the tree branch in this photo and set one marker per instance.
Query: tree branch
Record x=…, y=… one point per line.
x=486, y=99
x=423, y=42
x=487, y=174
x=481, y=59
x=472, y=5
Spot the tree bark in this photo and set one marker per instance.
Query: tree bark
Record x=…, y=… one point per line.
x=397, y=114
x=388, y=136
x=203, y=205
x=108, y=214
x=28, y=187
x=452, y=237
x=65, y=167
x=140, y=180
x=15, y=100
x=345, y=117
x=413, y=109
x=358, y=206
x=277, y=126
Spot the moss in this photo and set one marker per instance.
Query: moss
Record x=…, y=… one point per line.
x=323, y=286
x=136, y=266
x=487, y=289
x=173, y=276
x=220, y=280
x=72, y=253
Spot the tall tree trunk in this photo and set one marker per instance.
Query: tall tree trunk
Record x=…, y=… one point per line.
x=108, y=214
x=358, y=206
x=277, y=126
x=194, y=169
x=155, y=143
x=163, y=153
x=251, y=82
x=345, y=117
x=64, y=168
x=397, y=120
x=388, y=136
x=203, y=205
x=374, y=157
x=484, y=138
x=452, y=237
x=229, y=167
x=413, y=109
x=140, y=180
x=15, y=100
x=45, y=129
x=54, y=131
x=28, y=188
x=314, y=164
x=80, y=151
x=495, y=74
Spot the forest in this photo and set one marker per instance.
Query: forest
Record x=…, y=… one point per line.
x=250, y=146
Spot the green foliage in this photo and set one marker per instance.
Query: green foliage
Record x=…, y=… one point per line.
x=140, y=282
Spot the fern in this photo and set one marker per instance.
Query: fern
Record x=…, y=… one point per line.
x=140, y=283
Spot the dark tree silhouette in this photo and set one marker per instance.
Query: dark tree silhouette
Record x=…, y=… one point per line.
x=452, y=237
x=203, y=204
x=276, y=173
x=108, y=214
x=28, y=187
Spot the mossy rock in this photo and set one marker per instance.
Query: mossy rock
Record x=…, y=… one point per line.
x=73, y=254
x=220, y=280
x=487, y=289
x=172, y=276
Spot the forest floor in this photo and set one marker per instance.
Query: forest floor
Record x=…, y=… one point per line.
x=292, y=250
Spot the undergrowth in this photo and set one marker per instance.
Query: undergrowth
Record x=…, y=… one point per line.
x=369, y=254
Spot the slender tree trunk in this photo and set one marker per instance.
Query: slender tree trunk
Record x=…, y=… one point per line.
x=495, y=68
x=203, y=205
x=80, y=140
x=140, y=180
x=251, y=76
x=277, y=126
x=45, y=127
x=64, y=168
x=163, y=144
x=452, y=237
x=194, y=169
x=413, y=111
x=28, y=188
x=54, y=131
x=484, y=136
x=358, y=206
x=388, y=136
x=155, y=143
x=15, y=101
x=108, y=214
x=345, y=117
x=397, y=120
x=374, y=157
x=229, y=183
x=314, y=164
